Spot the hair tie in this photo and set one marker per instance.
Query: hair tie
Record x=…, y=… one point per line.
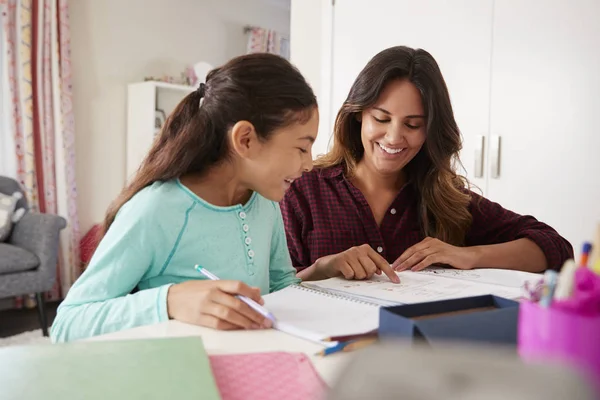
x=202, y=89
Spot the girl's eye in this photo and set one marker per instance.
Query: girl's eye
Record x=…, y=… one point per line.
x=302, y=150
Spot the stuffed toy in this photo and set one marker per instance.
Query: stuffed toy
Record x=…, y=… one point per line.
x=9, y=215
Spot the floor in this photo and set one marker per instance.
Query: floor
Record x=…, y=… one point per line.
x=13, y=322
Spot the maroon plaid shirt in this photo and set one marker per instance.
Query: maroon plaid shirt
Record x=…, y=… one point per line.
x=325, y=214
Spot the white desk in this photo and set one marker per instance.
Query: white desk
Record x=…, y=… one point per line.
x=223, y=342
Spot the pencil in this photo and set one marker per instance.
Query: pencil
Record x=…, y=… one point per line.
x=347, y=338
x=347, y=346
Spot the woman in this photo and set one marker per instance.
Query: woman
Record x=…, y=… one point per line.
x=387, y=192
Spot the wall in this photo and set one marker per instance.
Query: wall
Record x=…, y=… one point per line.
x=116, y=42
x=310, y=51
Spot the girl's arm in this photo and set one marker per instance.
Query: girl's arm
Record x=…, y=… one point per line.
x=100, y=301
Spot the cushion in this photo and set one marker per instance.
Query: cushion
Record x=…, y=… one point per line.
x=15, y=259
x=9, y=214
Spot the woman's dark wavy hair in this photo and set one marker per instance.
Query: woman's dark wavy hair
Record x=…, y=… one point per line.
x=443, y=200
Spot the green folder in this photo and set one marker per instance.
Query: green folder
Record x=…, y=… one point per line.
x=166, y=368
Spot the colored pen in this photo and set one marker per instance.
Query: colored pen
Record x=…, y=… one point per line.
x=585, y=254
x=566, y=279
x=346, y=346
x=251, y=303
x=365, y=335
x=550, y=277
x=596, y=268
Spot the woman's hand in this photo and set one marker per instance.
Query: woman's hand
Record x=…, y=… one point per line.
x=360, y=262
x=432, y=251
x=213, y=304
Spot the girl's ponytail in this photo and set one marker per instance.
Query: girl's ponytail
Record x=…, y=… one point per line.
x=263, y=89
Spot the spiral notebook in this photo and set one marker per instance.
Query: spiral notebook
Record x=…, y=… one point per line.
x=317, y=315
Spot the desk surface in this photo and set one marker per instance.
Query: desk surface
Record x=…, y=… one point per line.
x=224, y=342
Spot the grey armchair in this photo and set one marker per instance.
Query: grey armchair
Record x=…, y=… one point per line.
x=28, y=258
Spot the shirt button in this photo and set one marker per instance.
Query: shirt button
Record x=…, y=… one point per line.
x=245, y=227
x=250, y=253
x=242, y=215
x=248, y=240
x=393, y=211
x=379, y=249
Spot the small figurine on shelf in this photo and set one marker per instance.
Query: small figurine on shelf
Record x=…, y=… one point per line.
x=189, y=76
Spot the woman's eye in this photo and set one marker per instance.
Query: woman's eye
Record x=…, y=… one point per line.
x=409, y=126
x=381, y=121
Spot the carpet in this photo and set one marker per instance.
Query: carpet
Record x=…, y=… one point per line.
x=25, y=338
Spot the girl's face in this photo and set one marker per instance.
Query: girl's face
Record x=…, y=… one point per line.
x=271, y=166
x=393, y=129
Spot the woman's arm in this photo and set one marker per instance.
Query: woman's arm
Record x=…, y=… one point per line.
x=498, y=238
x=520, y=254
x=504, y=239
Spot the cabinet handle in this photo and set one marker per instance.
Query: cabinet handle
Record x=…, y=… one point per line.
x=480, y=144
x=495, y=146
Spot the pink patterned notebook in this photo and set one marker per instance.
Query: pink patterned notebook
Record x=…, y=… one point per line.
x=266, y=376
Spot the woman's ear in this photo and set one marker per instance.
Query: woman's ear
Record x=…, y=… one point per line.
x=244, y=140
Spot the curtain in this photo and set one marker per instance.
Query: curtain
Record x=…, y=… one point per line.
x=37, y=102
x=262, y=40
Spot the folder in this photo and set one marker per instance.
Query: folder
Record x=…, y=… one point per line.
x=166, y=368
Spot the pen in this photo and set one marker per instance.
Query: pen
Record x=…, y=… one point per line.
x=550, y=277
x=365, y=335
x=347, y=346
x=585, y=254
x=566, y=279
x=251, y=303
x=596, y=268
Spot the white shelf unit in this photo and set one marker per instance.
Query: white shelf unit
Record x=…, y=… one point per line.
x=143, y=99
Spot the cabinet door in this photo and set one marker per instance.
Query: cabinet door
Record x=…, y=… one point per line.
x=458, y=35
x=544, y=108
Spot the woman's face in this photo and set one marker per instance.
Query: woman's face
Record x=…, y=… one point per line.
x=393, y=129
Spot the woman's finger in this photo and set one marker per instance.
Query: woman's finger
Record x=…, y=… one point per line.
x=368, y=266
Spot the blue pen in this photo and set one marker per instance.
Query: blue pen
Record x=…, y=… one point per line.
x=550, y=277
x=251, y=303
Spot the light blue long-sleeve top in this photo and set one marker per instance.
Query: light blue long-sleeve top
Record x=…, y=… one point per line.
x=155, y=240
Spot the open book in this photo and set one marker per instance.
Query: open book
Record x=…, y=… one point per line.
x=431, y=284
x=318, y=310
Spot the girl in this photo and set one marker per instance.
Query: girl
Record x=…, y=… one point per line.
x=205, y=194
x=387, y=192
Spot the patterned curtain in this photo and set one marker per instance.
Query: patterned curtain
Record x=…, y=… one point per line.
x=262, y=40
x=37, y=70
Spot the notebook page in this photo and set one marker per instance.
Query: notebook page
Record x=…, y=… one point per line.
x=502, y=277
x=315, y=316
x=414, y=288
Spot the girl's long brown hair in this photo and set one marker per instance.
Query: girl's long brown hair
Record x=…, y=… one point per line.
x=263, y=89
x=443, y=200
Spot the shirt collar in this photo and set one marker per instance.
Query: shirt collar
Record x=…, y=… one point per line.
x=332, y=172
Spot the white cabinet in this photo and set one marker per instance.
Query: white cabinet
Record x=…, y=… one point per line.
x=523, y=80
x=458, y=35
x=143, y=101
x=545, y=102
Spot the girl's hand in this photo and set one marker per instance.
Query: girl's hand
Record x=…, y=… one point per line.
x=432, y=251
x=359, y=262
x=213, y=304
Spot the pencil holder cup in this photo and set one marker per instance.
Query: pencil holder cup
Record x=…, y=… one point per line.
x=554, y=335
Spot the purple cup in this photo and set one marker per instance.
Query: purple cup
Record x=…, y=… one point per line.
x=565, y=337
